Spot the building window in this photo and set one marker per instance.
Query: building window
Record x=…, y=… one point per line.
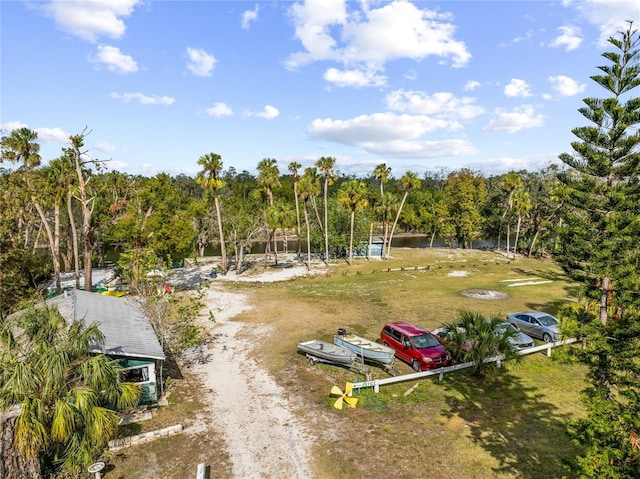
x=136, y=375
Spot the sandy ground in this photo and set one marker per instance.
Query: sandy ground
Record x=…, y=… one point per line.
x=263, y=437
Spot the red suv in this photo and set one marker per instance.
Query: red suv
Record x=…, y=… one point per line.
x=415, y=345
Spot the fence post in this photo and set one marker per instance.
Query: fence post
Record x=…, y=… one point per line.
x=201, y=471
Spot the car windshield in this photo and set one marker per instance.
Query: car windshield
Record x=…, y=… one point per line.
x=424, y=341
x=505, y=327
x=548, y=320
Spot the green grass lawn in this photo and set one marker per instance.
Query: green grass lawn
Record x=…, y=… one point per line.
x=509, y=425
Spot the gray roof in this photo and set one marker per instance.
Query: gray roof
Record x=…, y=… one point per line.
x=126, y=328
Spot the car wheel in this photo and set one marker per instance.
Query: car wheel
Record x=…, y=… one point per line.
x=546, y=337
x=415, y=364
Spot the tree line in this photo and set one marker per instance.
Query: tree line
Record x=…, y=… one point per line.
x=65, y=215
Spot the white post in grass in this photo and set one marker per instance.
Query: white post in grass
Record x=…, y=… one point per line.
x=201, y=471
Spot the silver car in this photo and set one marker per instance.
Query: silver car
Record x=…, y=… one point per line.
x=537, y=324
x=518, y=339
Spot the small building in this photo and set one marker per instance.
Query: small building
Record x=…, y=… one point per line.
x=128, y=335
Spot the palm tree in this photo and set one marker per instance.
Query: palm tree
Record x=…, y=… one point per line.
x=382, y=173
x=21, y=147
x=306, y=190
x=325, y=165
x=293, y=168
x=63, y=392
x=521, y=206
x=388, y=203
x=510, y=182
x=353, y=196
x=209, y=178
x=279, y=215
x=409, y=181
x=472, y=337
x=269, y=178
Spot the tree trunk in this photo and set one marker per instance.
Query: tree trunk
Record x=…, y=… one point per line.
x=395, y=223
x=605, y=290
x=306, y=220
x=13, y=464
x=515, y=245
x=295, y=193
x=326, y=222
x=86, y=224
x=55, y=253
x=240, y=261
x=275, y=245
x=74, y=236
x=533, y=242
x=353, y=215
x=223, y=250
x=385, y=238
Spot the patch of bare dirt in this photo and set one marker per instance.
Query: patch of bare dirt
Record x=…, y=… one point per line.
x=484, y=294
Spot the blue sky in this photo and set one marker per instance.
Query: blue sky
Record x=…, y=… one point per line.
x=420, y=86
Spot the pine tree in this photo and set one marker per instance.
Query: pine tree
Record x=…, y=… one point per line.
x=601, y=189
x=600, y=247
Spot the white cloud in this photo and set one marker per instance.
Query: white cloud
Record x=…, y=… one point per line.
x=11, y=125
x=200, y=63
x=377, y=127
x=525, y=37
x=498, y=166
x=517, y=88
x=440, y=104
x=117, y=165
x=391, y=135
x=471, y=85
x=268, y=113
x=249, y=16
x=519, y=118
x=354, y=78
x=411, y=75
x=144, y=99
x=45, y=135
x=421, y=149
x=608, y=15
x=52, y=135
x=219, y=109
x=90, y=20
x=115, y=60
x=365, y=39
x=105, y=147
x=570, y=38
x=566, y=86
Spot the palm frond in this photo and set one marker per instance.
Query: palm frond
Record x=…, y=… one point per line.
x=30, y=436
x=64, y=421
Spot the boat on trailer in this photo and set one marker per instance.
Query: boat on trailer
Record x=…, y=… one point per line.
x=325, y=352
x=369, y=350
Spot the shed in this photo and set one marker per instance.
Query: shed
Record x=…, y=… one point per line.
x=128, y=334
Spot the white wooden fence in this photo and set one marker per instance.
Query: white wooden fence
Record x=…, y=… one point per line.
x=376, y=383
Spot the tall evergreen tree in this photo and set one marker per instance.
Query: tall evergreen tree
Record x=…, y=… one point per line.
x=601, y=189
x=601, y=248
